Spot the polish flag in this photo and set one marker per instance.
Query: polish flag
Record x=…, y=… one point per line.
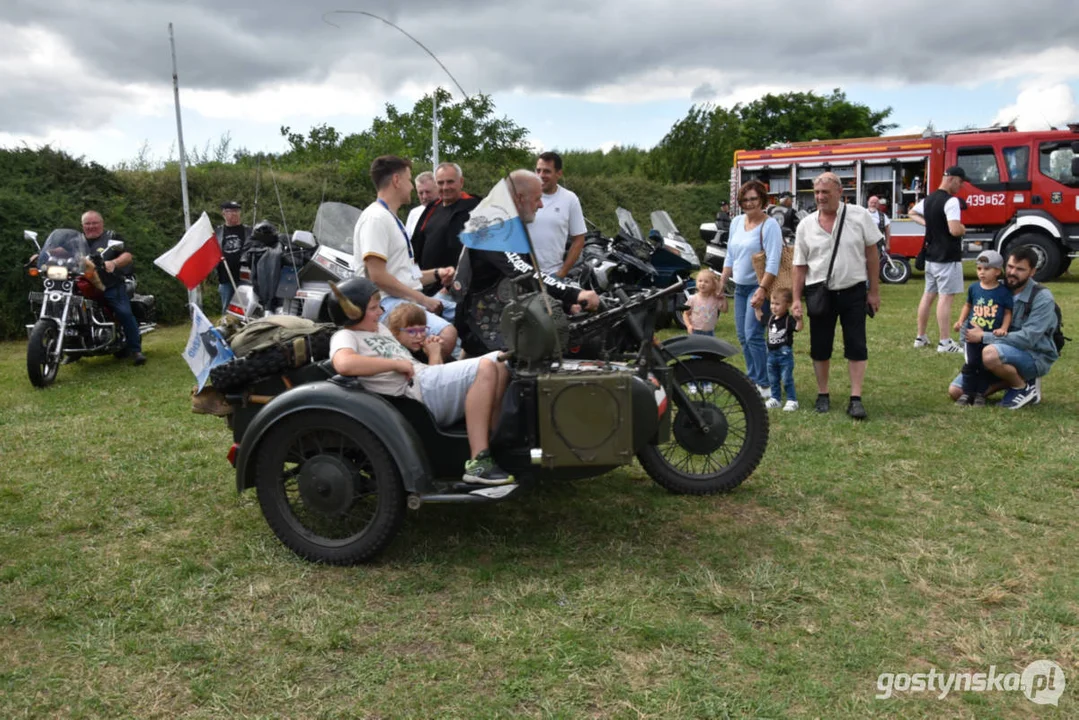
x=195, y=256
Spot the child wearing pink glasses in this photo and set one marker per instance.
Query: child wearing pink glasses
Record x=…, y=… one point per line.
x=408, y=323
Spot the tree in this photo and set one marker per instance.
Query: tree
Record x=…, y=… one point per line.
x=468, y=130
x=700, y=147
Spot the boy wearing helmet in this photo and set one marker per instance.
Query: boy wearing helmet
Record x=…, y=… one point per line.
x=473, y=388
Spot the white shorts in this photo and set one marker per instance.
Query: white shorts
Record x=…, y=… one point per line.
x=944, y=278
x=443, y=387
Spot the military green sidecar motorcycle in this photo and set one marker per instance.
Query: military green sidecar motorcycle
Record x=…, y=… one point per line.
x=336, y=466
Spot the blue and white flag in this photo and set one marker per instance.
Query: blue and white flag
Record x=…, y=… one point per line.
x=494, y=224
x=206, y=348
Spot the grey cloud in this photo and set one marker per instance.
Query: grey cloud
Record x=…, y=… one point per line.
x=566, y=47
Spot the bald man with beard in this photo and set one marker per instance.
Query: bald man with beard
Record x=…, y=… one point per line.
x=479, y=311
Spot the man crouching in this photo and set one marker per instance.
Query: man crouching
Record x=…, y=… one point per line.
x=473, y=388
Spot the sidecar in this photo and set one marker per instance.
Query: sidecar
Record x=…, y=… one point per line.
x=335, y=466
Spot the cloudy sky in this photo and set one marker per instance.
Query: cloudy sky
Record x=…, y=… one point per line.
x=94, y=77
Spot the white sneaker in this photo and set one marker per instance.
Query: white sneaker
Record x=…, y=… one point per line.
x=949, y=346
x=771, y=403
x=791, y=406
x=766, y=392
x=921, y=341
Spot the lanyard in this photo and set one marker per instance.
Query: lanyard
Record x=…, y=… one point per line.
x=401, y=225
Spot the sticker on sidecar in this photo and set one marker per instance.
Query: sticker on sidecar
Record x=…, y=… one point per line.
x=498, y=491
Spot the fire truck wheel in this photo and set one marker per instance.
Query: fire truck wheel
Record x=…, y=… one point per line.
x=1049, y=255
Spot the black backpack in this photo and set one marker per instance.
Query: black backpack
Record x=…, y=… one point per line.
x=1059, y=338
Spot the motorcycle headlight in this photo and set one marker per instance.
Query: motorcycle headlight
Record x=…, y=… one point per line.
x=55, y=272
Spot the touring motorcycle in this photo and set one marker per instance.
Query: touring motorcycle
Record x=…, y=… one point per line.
x=73, y=320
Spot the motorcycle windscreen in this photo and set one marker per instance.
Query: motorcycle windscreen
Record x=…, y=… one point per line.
x=64, y=253
x=334, y=225
x=627, y=224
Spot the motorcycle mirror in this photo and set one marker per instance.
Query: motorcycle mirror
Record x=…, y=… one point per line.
x=29, y=235
x=304, y=238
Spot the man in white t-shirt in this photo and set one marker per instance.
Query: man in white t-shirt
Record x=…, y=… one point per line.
x=471, y=389
x=427, y=192
x=559, y=220
x=383, y=252
x=838, y=248
x=879, y=213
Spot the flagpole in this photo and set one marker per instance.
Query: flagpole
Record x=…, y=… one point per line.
x=194, y=297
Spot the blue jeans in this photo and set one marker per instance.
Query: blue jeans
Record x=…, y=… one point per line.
x=781, y=371
x=116, y=299
x=225, y=290
x=750, y=333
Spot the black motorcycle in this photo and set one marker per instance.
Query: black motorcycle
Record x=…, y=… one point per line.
x=73, y=320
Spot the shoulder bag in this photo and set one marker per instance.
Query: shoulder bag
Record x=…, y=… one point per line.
x=818, y=301
x=785, y=274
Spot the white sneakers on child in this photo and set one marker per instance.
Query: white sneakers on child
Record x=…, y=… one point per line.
x=771, y=403
x=921, y=341
x=791, y=406
x=766, y=392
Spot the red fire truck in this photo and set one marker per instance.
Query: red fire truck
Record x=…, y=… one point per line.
x=1022, y=187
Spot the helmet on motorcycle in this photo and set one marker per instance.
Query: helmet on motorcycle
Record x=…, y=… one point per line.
x=265, y=233
x=347, y=303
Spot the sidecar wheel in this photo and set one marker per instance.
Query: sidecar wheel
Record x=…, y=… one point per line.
x=328, y=488
x=696, y=462
x=41, y=366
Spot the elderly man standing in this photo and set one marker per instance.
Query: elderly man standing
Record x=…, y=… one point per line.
x=940, y=214
x=435, y=238
x=877, y=211
x=835, y=254
x=427, y=192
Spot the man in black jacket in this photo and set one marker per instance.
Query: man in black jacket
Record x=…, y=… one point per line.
x=113, y=276
x=435, y=240
x=479, y=312
x=940, y=215
x=233, y=237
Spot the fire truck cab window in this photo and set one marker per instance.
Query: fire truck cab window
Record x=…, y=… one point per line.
x=1017, y=160
x=1055, y=161
x=980, y=164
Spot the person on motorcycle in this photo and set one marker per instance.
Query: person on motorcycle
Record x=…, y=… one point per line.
x=113, y=276
x=261, y=261
x=480, y=272
x=473, y=388
x=879, y=213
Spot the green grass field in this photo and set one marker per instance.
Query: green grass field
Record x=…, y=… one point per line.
x=136, y=583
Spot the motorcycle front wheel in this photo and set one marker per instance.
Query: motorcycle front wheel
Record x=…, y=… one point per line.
x=895, y=271
x=328, y=488
x=42, y=361
x=722, y=454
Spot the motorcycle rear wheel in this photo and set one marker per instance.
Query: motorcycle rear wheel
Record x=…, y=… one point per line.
x=693, y=462
x=328, y=488
x=41, y=365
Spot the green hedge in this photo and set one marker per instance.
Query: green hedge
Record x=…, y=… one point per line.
x=44, y=189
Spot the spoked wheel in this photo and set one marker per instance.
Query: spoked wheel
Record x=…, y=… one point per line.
x=42, y=361
x=329, y=489
x=718, y=456
x=895, y=271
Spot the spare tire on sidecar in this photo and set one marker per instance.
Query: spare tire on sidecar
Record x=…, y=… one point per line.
x=335, y=465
